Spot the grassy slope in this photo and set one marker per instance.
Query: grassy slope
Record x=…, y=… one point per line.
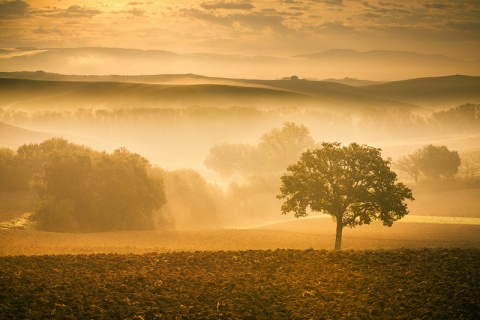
x=436, y=93
x=338, y=94
x=35, y=94
x=12, y=137
x=436, y=88
x=195, y=90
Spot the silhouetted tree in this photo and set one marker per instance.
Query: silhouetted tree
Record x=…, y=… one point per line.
x=276, y=149
x=411, y=164
x=281, y=147
x=433, y=162
x=438, y=162
x=353, y=184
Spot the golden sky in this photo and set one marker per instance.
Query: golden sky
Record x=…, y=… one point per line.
x=256, y=27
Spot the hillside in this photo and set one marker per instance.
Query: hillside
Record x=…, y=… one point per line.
x=437, y=93
x=40, y=94
x=351, y=97
x=187, y=78
x=13, y=137
x=41, y=90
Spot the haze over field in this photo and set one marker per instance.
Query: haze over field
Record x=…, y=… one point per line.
x=201, y=159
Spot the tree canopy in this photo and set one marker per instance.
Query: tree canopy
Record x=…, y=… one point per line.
x=434, y=162
x=276, y=150
x=438, y=161
x=281, y=147
x=85, y=190
x=352, y=183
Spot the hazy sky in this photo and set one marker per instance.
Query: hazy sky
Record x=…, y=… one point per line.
x=269, y=27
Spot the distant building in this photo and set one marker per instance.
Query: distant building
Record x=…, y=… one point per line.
x=292, y=78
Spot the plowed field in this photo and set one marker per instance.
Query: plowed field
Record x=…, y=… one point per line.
x=279, y=284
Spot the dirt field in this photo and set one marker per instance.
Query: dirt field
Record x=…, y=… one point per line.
x=263, y=271
x=279, y=284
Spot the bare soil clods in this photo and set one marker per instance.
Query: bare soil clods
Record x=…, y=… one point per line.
x=279, y=284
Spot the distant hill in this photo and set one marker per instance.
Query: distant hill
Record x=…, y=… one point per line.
x=41, y=90
x=437, y=93
x=337, y=94
x=189, y=78
x=373, y=65
x=353, y=82
x=381, y=64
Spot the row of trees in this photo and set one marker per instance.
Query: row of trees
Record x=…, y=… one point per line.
x=462, y=119
x=351, y=183
x=81, y=190
x=279, y=148
x=207, y=121
x=84, y=190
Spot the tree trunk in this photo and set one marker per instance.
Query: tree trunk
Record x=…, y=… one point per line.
x=338, y=237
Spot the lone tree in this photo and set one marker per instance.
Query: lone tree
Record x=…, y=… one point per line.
x=353, y=184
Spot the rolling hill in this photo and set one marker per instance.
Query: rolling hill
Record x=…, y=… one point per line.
x=437, y=93
x=13, y=137
x=40, y=94
x=37, y=90
x=374, y=65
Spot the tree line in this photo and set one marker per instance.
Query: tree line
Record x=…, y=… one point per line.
x=351, y=183
x=83, y=190
x=370, y=123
